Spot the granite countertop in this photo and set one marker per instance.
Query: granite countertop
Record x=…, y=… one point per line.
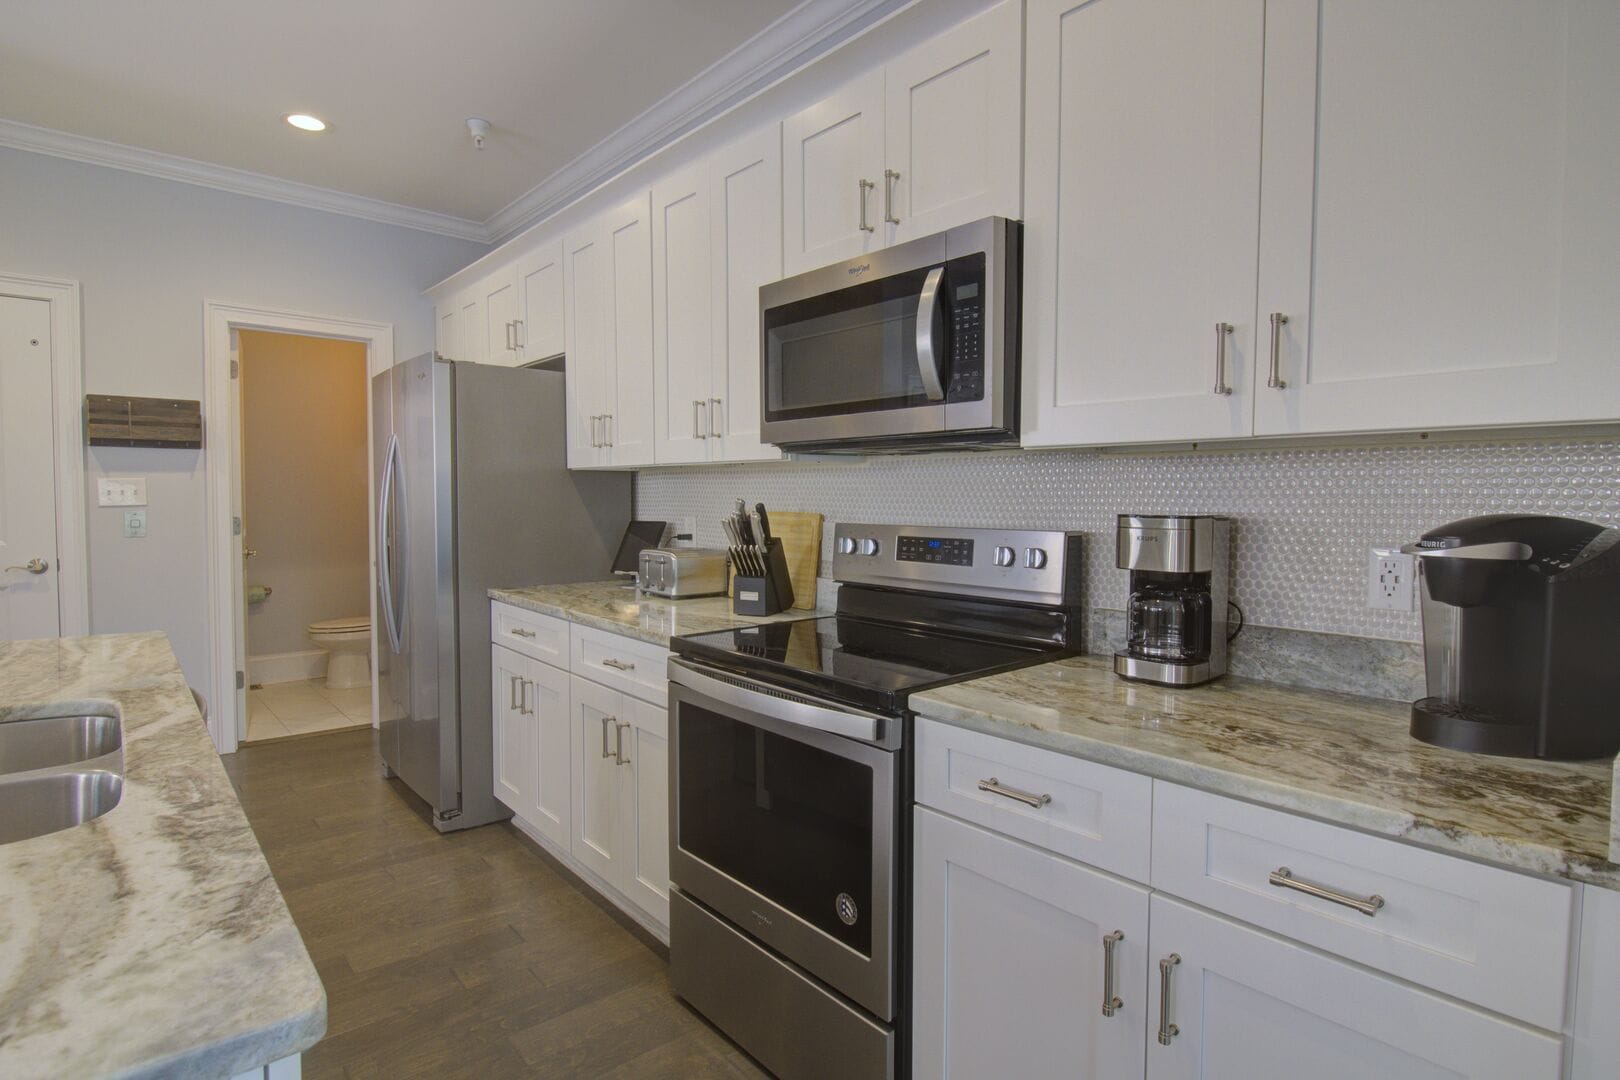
x=151, y=941
x=608, y=605
x=1339, y=758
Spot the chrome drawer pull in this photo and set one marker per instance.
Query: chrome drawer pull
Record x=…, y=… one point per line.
x=1223, y=330
x=518, y=631
x=1284, y=878
x=606, y=720
x=523, y=704
x=1111, y=1002
x=618, y=665
x=866, y=185
x=618, y=743
x=514, y=698
x=1167, y=1030
x=994, y=787
x=1275, y=380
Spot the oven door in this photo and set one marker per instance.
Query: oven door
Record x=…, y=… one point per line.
x=787, y=829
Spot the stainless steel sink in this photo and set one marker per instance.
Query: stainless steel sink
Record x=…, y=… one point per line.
x=49, y=802
x=49, y=741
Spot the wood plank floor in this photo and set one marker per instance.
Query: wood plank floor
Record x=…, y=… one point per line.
x=467, y=954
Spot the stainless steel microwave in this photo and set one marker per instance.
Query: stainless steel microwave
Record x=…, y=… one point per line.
x=914, y=347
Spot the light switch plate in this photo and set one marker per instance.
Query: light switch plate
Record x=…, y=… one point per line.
x=121, y=491
x=134, y=523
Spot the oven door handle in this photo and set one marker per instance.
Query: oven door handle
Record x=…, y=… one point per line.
x=849, y=722
x=931, y=334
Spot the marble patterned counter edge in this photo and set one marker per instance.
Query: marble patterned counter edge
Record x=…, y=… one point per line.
x=1335, y=757
x=608, y=605
x=152, y=941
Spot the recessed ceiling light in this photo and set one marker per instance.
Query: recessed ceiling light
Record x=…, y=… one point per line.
x=306, y=122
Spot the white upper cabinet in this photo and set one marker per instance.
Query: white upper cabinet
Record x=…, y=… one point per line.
x=499, y=338
x=683, y=356
x=587, y=379
x=472, y=336
x=1143, y=166
x=627, y=236
x=539, y=330
x=445, y=334
x=833, y=158
x=952, y=125
x=1439, y=218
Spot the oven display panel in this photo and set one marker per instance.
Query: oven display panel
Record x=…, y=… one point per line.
x=934, y=549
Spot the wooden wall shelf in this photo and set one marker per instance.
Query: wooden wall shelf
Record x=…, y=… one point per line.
x=174, y=423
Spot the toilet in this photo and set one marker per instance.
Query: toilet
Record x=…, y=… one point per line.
x=348, y=645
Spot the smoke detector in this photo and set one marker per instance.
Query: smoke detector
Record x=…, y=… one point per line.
x=477, y=128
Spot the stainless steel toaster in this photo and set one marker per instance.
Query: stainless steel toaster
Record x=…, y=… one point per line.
x=679, y=573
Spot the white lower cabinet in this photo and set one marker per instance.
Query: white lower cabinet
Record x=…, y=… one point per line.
x=1229, y=1001
x=531, y=738
x=1012, y=960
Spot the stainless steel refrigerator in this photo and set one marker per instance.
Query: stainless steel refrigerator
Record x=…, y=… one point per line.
x=473, y=491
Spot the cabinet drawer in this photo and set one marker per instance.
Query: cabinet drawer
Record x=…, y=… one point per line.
x=1490, y=936
x=1095, y=814
x=623, y=663
x=544, y=637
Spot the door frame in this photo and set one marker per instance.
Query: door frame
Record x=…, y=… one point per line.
x=222, y=467
x=67, y=448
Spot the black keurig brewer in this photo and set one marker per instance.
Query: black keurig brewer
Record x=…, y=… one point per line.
x=1521, y=637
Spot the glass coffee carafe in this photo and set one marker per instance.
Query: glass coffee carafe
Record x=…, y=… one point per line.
x=1170, y=622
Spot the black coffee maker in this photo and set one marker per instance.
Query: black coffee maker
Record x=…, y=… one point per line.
x=1521, y=637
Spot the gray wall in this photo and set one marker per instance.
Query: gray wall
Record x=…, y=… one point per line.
x=147, y=252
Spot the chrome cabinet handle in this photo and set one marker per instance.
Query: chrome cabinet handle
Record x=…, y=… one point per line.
x=523, y=699
x=607, y=429
x=512, y=700
x=1275, y=380
x=1167, y=1030
x=594, y=443
x=889, y=177
x=618, y=744
x=714, y=423
x=518, y=631
x=866, y=185
x=517, y=336
x=995, y=787
x=1223, y=330
x=606, y=720
x=509, y=345
x=618, y=665
x=1111, y=1001
x=1284, y=878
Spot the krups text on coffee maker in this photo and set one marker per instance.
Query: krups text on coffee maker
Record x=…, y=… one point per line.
x=1176, y=618
x=1521, y=637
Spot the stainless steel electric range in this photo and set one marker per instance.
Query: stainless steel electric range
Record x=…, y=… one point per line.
x=790, y=783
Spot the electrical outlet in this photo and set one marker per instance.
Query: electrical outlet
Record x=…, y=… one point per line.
x=1391, y=576
x=134, y=523
x=687, y=526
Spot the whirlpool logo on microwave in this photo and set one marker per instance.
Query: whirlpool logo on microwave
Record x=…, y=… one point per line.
x=861, y=269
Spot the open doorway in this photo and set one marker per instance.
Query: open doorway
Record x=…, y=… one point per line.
x=305, y=533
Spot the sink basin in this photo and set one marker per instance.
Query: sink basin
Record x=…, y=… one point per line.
x=51, y=741
x=36, y=805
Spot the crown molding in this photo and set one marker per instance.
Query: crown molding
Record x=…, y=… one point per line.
x=811, y=29
x=184, y=170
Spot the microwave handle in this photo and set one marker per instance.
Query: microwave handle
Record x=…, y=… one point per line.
x=931, y=334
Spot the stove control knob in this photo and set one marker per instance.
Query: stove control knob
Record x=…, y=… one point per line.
x=1004, y=556
x=846, y=545
x=1035, y=558
x=868, y=546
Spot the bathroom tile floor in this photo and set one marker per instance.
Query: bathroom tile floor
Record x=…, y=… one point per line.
x=282, y=710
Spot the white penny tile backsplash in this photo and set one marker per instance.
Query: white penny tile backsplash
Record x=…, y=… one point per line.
x=1303, y=518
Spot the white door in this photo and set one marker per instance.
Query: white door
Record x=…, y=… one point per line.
x=472, y=334
x=644, y=807
x=628, y=250
x=683, y=354
x=549, y=701
x=588, y=374
x=1143, y=162
x=596, y=712
x=509, y=698
x=28, y=558
x=1008, y=960
x=1243, y=1003
x=832, y=176
x=953, y=127
x=745, y=212
x=540, y=303
x=1439, y=218
x=500, y=318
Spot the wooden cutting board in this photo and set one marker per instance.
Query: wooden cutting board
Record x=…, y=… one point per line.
x=800, y=534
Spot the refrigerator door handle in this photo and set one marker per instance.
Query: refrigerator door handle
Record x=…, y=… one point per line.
x=385, y=561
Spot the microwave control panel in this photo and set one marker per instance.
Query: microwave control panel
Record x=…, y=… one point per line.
x=967, y=344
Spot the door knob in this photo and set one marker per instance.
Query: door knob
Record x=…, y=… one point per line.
x=248, y=553
x=33, y=566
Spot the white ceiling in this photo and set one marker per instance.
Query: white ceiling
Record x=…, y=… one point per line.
x=211, y=79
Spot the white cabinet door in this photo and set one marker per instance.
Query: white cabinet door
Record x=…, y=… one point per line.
x=444, y=337
x=683, y=357
x=472, y=337
x=644, y=807
x=953, y=125
x=540, y=331
x=745, y=213
x=548, y=701
x=627, y=240
x=500, y=291
x=588, y=374
x=596, y=712
x=833, y=176
x=1246, y=1004
x=1008, y=960
x=1595, y=1040
x=1143, y=159
x=1439, y=218
x=513, y=728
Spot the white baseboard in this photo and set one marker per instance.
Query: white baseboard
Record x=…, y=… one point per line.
x=287, y=666
x=614, y=896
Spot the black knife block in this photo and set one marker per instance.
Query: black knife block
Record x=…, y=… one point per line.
x=767, y=595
